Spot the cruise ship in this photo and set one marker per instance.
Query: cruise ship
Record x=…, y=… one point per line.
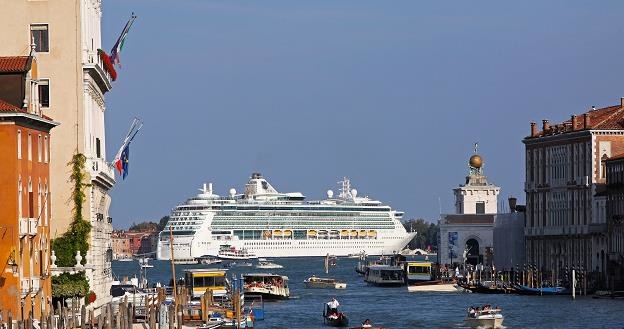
x=273, y=224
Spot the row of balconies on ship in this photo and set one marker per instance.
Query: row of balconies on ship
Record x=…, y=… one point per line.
x=580, y=182
x=30, y=286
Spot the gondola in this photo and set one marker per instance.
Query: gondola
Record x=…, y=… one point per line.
x=335, y=319
x=525, y=290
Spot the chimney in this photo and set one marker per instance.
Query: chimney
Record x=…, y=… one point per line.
x=533, y=129
x=545, y=126
x=512, y=204
x=574, y=122
x=586, y=121
x=621, y=101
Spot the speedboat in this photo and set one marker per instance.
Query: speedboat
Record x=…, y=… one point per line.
x=315, y=282
x=488, y=318
x=231, y=253
x=266, y=264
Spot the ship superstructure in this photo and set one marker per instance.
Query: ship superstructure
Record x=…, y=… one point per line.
x=273, y=224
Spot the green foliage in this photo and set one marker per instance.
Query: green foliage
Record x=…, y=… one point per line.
x=144, y=226
x=68, y=285
x=427, y=234
x=76, y=238
x=163, y=221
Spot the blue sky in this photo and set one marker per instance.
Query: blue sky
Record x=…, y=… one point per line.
x=390, y=94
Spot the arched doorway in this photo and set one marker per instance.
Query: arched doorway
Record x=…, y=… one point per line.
x=472, y=257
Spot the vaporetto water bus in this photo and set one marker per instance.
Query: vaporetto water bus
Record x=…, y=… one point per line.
x=273, y=224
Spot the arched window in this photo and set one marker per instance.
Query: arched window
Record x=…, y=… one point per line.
x=31, y=210
x=39, y=200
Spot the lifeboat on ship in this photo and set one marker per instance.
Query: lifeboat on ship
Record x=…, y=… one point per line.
x=353, y=233
x=287, y=233
x=372, y=234
x=344, y=233
x=362, y=234
x=277, y=233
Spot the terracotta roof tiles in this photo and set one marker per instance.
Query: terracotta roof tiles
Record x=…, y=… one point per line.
x=7, y=107
x=14, y=64
x=608, y=118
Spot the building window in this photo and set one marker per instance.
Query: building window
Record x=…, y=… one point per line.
x=39, y=35
x=19, y=144
x=19, y=197
x=44, y=92
x=45, y=149
x=39, y=148
x=31, y=210
x=480, y=207
x=97, y=147
x=29, y=148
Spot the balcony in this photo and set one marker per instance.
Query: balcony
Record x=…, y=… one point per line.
x=25, y=287
x=95, y=69
x=33, y=223
x=102, y=171
x=35, y=284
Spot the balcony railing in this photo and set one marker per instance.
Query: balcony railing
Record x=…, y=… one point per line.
x=28, y=226
x=99, y=166
x=25, y=287
x=35, y=284
x=33, y=223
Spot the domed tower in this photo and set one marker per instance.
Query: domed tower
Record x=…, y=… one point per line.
x=477, y=196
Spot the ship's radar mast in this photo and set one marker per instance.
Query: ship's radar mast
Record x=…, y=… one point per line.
x=345, y=190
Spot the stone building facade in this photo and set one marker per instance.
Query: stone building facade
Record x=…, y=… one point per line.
x=74, y=78
x=469, y=232
x=614, y=193
x=565, y=219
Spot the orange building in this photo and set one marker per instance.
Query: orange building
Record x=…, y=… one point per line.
x=25, y=281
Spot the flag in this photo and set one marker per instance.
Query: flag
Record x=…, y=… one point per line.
x=114, y=56
x=123, y=161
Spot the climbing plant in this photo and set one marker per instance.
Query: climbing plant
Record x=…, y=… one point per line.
x=67, y=285
x=76, y=237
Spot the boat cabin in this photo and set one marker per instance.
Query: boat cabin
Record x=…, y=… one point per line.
x=269, y=286
x=385, y=275
x=199, y=280
x=418, y=271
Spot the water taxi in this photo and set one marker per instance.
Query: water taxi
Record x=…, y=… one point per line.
x=328, y=283
x=484, y=318
x=267, y=285
x=420, y=278
x=385, y=275
x=199, y=280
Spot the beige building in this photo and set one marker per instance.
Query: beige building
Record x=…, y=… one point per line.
x=72, y=83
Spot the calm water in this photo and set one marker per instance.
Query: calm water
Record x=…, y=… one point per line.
x=396, y=308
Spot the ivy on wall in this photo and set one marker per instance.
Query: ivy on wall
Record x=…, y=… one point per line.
x=68, y=285
x=75, y=239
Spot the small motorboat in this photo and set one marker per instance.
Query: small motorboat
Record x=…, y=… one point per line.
x=484, y=318
x=268, y=265
x=244, y=264
x=328, y=283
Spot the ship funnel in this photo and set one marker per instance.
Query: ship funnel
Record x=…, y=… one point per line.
x=210, y=188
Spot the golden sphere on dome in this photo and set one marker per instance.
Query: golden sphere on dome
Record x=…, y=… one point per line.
x=476, y=161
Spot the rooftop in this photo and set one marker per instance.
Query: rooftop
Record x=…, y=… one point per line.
x=14, y=64
x=607, y=118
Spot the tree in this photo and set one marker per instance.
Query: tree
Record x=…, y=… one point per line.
x=163, y=222
x=427, y=233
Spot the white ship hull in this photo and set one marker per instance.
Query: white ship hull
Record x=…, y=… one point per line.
x=287, y=248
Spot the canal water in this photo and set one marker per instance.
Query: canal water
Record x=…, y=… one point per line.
x=395, y=308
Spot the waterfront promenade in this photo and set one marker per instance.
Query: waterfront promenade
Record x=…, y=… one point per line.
x=395, y=308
